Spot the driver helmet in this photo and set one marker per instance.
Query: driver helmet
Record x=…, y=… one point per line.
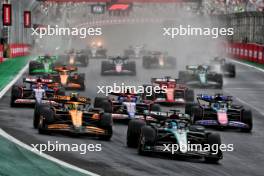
x=74, y=96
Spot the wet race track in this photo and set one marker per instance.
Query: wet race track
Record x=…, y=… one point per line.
x=116, y=159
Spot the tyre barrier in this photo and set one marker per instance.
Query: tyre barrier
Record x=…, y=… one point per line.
x=16, y=50
x=246, y=51
x=1, y=53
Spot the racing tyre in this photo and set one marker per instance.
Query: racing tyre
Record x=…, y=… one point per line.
x=183, y=76
x=146, y=63
x=103, y=103
x=147, y=138
x=105, y=67
x=106, y=123
x=46, y=117
x=214, y=156
x=231, y=69
x=189, y=108
x=189, y=95
x=39, y=108
x=219, y=80
x=132, y=66
x=155, y=107
x=15, y=94
x=247, y=119
x=196, y=113
x=133, y=132
x=32, y=66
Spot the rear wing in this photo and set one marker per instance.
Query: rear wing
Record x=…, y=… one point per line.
x=196, y=67
x=65, y=98
x=37, y=80
x=50, y=57
x=164, y=80
x=65, y=68
x=213, y=98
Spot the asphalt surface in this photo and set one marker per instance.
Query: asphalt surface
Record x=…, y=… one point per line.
x=116, y=159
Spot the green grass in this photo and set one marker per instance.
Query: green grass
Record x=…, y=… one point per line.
x=10, y=68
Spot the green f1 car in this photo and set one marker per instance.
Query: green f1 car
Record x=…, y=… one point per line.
x=44, y=64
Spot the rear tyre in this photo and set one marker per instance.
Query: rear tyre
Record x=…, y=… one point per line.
x=106, y=123
x=219, y=80
x=214, y=156
x=155, y=107
x=103, y=103
x=38, y=108
x=15, y=94
x=46, y=117
x=189, y=95
x=247, y=119
x=147, y=138
x=105, y=67
x=133, y=132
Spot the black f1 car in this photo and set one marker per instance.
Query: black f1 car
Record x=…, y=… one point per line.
x=118, y=66
x=126, y=106
x=68, y=78
x=76, y=58
x=158, y=60
x=220, y=65
x=34, y=90
x=73, y=114
x=218, y=111
x=172, y=92
x=97, y=50
x=201, y=76
x=172, y=132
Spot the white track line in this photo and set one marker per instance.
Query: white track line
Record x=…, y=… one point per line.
x=248, y=65
x=25, y=146
x=8, y=86
x=48, y=157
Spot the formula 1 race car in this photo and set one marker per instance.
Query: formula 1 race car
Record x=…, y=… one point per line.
x=172, y=132
x=34, y=90
x=158, y=60
x=98, y=51
x=118, y=66
x=220, y=65
x=75, y=58
x=68, y=78
x=201, y=76
x=44, y=64
x=172, y=93
x=73, y=114
x=218, y=111
x=135, y=52
x=125, y=107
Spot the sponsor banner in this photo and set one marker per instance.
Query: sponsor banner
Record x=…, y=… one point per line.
x=27, y=19
x=17, y=50
x=7, y=15
x=1, y=53
x=247, y=51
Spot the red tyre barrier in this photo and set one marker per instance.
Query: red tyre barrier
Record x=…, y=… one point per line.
x=246, y=51
x=17, y=50
x=1, y=53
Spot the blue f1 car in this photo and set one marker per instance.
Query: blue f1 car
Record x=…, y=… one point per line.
x=219, y=111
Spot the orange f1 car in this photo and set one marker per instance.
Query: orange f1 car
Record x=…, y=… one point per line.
x=73, y=114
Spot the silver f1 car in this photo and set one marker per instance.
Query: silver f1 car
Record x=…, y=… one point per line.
x=173, y=133
x=220, y=65
x=201, y=76
x=118, y=66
